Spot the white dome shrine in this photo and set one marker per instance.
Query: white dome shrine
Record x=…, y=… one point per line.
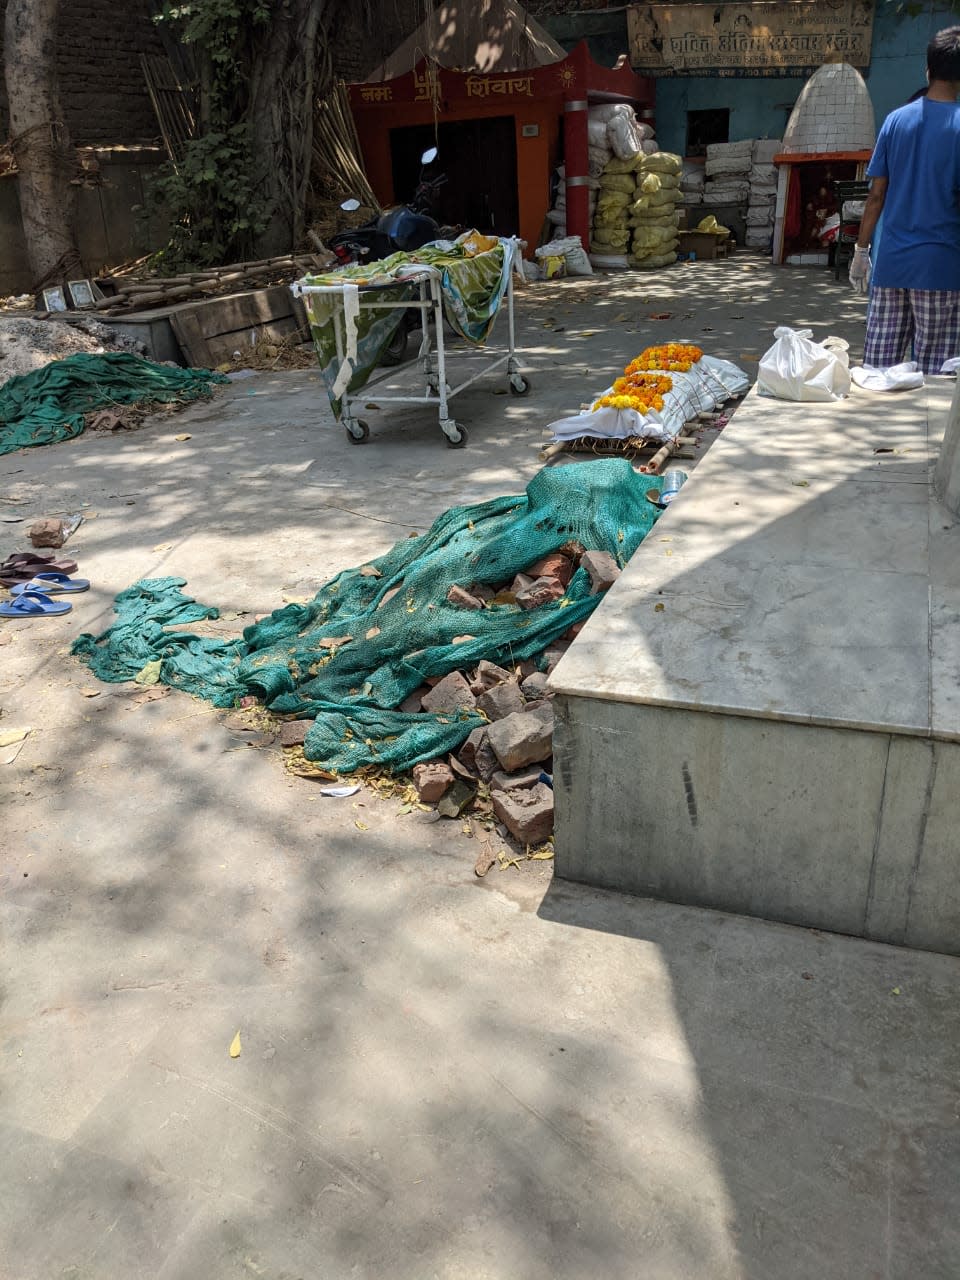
x=833, y=113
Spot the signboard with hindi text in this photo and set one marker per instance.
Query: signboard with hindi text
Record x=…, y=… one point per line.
x=767, y=38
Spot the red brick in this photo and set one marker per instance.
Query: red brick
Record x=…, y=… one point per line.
x=460, y=598
x=602, y=568
x=450, y=694
x=541, y=591
x=555, y=565
x=527, y=814
x=432, y=780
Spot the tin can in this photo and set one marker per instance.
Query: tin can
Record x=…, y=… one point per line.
x=673, y=482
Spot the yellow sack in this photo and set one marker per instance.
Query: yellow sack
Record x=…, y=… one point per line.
x=622, y=166
x=610, y=239
x=616, y=202
x=652, y=237
x=662, y=162
x=710, y=226
x=658, y=182
x=662, y=217
x=625, y=182
x=653, y=263
x=659, y=200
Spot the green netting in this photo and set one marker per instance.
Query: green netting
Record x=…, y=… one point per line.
x=400, y=625
x=49, y=405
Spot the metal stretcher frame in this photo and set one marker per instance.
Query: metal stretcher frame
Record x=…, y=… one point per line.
x=432, y=356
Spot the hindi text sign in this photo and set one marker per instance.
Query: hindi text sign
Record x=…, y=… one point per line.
x=769, y=37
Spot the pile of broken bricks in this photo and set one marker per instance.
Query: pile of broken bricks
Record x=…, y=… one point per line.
x=509, y=758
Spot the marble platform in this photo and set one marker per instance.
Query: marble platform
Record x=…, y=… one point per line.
x=764, y=714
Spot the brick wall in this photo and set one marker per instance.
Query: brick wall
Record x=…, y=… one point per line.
x=101, y=84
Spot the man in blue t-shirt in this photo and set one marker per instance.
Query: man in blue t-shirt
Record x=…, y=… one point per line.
x=915, y=167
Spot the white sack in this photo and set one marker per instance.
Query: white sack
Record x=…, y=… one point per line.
x=797, y=368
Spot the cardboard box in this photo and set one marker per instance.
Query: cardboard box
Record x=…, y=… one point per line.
x=704, y=245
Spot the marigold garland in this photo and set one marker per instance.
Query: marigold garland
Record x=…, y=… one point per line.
x=638, y=391
x=677, y=357
x=642, y=404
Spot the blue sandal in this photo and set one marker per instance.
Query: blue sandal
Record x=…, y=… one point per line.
x=51, y=583
x=33, y=604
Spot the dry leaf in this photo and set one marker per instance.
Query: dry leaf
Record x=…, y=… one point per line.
x=333, y=642
x=368, y=571
x=183, y=436
x=91, y=693
x=162, y=546
x=235, y=1046
x=9, y=736
x=361, y=826
x=658, y=608
x=374, y=631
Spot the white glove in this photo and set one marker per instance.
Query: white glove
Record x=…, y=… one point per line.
x=860, y=269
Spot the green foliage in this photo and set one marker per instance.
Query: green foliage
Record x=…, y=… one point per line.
x=210, y=201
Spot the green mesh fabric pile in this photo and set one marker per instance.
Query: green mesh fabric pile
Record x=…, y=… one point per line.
x=400, y=625
x=49, y=405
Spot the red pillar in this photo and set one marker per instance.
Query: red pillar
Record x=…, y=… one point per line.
x=576, y=159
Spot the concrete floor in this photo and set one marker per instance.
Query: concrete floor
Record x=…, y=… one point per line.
x=440, y=1076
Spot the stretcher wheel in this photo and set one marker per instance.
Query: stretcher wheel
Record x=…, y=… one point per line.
x=519, y=385
x=357, y=431
x=457, y=440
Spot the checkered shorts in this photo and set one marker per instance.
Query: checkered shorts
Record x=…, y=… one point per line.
x=928, y=320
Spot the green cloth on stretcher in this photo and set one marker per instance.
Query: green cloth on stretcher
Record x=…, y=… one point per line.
x=400, y=626
x=472, y=289
x=50, y=404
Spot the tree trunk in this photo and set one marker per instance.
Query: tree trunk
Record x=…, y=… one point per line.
x=46, y=159
x=281, y=106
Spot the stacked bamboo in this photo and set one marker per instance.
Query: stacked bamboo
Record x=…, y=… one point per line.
x=336, y=149
x=134, y=294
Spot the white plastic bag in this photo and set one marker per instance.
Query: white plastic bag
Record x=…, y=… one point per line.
x=899, y=377
x=797, y=368
x=622, y=136
x=571, y=250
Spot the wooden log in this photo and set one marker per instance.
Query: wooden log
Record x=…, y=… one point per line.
x=653, y=467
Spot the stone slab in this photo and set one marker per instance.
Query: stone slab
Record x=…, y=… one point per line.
x=794, y=579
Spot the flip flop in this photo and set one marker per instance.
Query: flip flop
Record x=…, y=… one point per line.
x=21, y=567
x=51, y=583
x=34, y=605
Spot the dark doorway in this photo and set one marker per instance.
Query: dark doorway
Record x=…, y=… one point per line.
x=479, y=158
x=705, y=128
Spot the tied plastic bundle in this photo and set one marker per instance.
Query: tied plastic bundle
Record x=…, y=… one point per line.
x=763, y=193
x=729, y=159
x=653, y=215
x=558, y=214
x=655, y=404
x=691, y=183
x=600, y=152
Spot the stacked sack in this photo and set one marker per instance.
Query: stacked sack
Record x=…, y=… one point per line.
x=628, y=142
x=692, y=181
x=728, y=173
x=763, y=193
x=558, y=214
x=611, y=222
x=654, y=217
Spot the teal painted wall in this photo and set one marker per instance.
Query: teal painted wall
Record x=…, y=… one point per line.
x=759, y=108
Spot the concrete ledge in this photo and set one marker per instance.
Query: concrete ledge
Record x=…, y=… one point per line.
x=764, y=714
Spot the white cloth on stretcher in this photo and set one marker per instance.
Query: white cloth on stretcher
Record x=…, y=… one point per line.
x=709, y=384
